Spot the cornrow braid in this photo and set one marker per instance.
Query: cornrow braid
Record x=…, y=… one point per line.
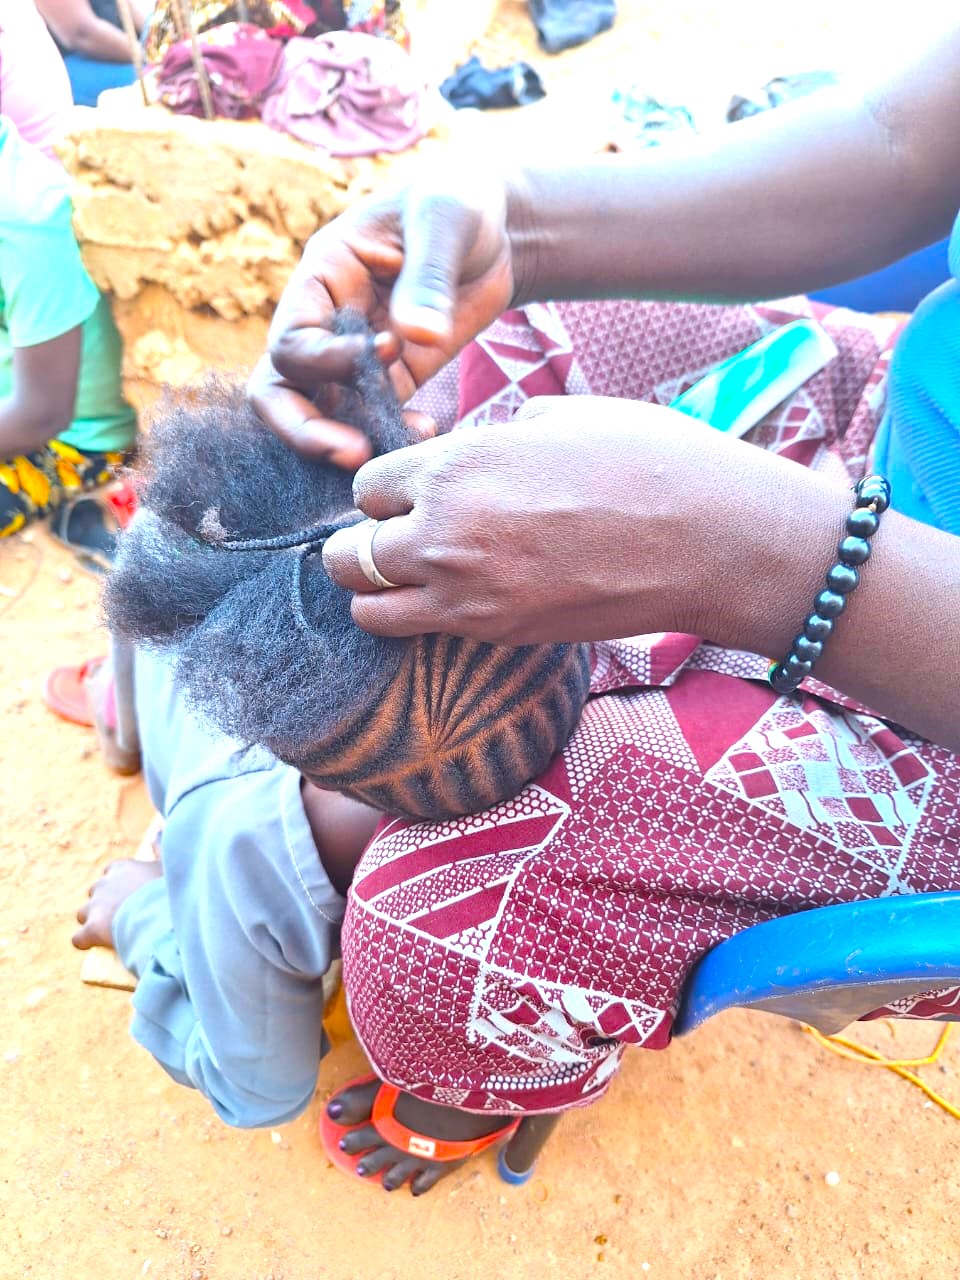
x=221, y=568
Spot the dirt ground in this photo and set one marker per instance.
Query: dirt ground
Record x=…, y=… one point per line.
x=708, y=1162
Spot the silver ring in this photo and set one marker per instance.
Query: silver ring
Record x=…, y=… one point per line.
x=368, y=531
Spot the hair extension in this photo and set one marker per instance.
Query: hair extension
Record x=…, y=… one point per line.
x=221, y=567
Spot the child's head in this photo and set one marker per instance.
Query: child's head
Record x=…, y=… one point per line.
x=264, y=643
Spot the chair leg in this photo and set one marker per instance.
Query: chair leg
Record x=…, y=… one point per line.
x=515, y=1161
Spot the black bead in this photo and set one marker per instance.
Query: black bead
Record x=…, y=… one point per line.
x=843, y=579
x=781, y=681
x=830, y=605
x=807, y=650
x=873, y=489
x=817, y=628
x=862, y=523
x=796, y=667
x=854, y=550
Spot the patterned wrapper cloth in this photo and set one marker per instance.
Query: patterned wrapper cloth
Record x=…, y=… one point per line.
x=503, y=961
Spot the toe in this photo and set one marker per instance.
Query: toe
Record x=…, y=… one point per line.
x=400, y=1172
x=374, y=1162
x=364, y=1139
x=351, y=1106
x=429, y=1177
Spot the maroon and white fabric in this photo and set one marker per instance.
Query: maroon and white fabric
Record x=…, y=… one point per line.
x=503, y=961
x=349, y=94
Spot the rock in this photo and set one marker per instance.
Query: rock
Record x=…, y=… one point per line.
x=832, y=1179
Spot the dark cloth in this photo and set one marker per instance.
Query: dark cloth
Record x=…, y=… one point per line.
x=473, y=85
x=108, y=10
x=241, y=62
x=562, y=24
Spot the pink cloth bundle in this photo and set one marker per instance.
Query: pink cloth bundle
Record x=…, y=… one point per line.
x=348, y=94
x=241, y=62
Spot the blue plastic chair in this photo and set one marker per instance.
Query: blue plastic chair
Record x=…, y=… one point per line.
x=827, y=967
x=899, y=287
x=831, y=965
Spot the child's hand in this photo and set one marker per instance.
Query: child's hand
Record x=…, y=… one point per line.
x=118, y=881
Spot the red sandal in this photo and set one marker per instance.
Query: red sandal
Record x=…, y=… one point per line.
x=66, y=692
x=398, y=1135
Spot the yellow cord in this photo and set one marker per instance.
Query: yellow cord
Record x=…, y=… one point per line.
x=854, y=1052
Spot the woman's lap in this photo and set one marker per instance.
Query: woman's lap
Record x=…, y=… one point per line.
x=503, y=961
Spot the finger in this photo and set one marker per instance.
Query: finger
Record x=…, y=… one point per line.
x=409, y=611
x=420, y=425
x=393, y=550
x=387, y=486
x=301, y=338
x=538, y=406
x=439, y=231
x=309, y=357
x=426, y=1179
x=301, y=425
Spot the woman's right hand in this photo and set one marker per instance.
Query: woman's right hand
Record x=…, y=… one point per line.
x=430, y=267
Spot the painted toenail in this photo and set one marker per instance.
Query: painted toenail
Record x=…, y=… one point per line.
x=335, y=1109
x=361, y=1170
x=342, y=1144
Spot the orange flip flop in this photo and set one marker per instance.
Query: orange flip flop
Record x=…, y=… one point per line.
x=398, y=1135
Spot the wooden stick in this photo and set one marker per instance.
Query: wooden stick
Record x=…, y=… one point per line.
x=206, y=97
x=136, y=53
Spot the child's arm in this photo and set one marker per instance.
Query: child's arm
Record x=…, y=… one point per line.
x=231, y=946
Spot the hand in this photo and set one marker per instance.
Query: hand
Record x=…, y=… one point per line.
x=430, y=268
x=118, y=882
x=589, y=518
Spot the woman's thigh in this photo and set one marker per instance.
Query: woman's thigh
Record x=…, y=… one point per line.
x=502, y=961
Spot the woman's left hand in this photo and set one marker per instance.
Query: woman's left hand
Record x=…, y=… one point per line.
x=588, y=518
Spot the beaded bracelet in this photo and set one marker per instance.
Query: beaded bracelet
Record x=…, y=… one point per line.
x=871, y=500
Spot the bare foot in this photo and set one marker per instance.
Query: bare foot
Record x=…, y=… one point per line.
x=354, y=1105
x=118, y=881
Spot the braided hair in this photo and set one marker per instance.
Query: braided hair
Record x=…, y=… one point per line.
x=222, y=568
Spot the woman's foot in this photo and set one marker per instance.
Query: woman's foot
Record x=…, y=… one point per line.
x=354, y=1105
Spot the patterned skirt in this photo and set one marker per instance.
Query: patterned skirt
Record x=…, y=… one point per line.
x=503, y=962
x=34, y=485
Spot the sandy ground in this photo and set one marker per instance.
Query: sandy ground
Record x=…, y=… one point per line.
x=704, y=1163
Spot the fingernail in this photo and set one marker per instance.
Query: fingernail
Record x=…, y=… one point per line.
x=361, y=1170
x=424, y=320
x=334, y=1109
x=342, y=1144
